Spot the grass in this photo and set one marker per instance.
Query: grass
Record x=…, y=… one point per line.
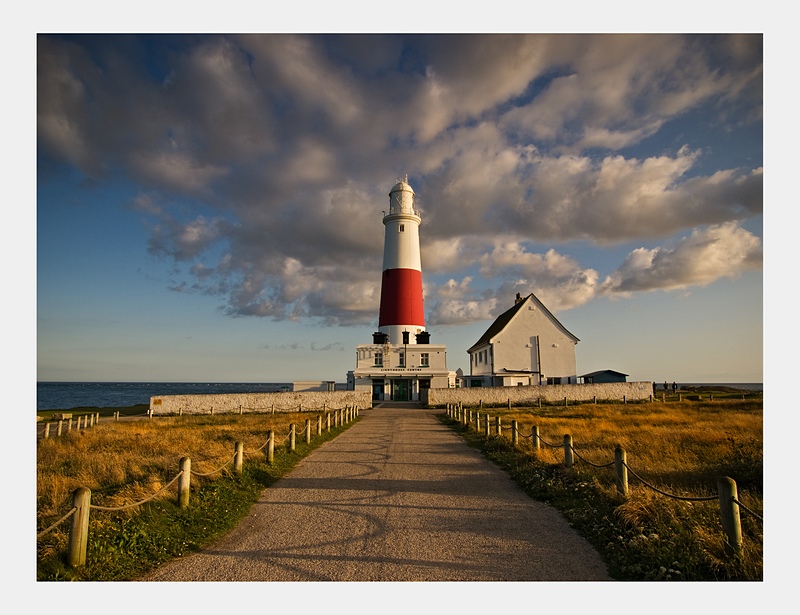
x=137, y=410
x=128, y=462
x=680, y=448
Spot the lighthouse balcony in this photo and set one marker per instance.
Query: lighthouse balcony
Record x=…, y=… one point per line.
x=403, y=214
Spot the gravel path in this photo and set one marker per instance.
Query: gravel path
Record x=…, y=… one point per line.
x=396, y=497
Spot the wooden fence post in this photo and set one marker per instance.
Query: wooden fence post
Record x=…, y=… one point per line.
x=535, y=437
x=568, y=459
x=308, y=431
x=319, y=424
x=540, y=402
x=238, y=457
x=498, y=425
x=488, y=426
x=729, y=515
x=328, y=421
x=59, y=427
x=291, y=437
x=509, y=403
x=620, y=457
x=514, y=432
x=565, y=402
x=270, y=446
x=184, y=482
x=79, y=527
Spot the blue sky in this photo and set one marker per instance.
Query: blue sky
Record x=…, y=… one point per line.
x=208, y=208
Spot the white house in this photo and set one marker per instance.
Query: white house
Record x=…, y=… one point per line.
x=398, y=372
x=525, y=345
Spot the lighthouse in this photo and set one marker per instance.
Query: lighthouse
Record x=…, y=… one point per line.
x=401, y=310
x=401, y=364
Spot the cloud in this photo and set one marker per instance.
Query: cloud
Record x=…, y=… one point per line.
x=726, y=250
x=264, y=161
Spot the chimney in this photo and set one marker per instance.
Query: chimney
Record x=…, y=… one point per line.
x=518, y=299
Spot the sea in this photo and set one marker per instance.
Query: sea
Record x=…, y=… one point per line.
x=68, y=395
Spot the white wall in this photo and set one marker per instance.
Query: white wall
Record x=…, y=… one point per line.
x=612, y=391
x=231, y=403
x=515, y=345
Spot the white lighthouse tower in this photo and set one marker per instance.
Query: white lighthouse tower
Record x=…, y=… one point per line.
x=401, y=283
x=401, y=364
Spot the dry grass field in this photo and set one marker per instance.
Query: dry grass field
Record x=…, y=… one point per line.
x=128, y=461
x=679, y=447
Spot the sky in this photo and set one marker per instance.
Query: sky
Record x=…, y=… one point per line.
x=209, y=207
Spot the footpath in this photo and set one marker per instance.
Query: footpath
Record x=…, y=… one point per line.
x=396, y=497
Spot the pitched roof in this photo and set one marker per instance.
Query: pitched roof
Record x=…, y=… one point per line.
x=501, y=321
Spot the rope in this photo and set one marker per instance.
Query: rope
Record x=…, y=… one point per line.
x=670, y=495
x=604, y=465
x=217, y=470
x=545, y=442
x=115, y=508
x=259, y=448
x=743, y=507
x=43, y=532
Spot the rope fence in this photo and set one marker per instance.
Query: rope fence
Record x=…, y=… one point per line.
x=727, y=493
x=81, y=498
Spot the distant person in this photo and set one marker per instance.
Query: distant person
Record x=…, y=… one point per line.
x=674, y=388
x=655, y=388
x=666, y=387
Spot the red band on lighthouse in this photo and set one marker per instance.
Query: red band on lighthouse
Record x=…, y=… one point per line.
x=401, y=298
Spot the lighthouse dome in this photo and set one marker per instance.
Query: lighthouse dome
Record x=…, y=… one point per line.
x=401, y=198
x=402, y=186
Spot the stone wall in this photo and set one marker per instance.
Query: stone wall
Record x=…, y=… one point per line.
x=521, y=395
x=246, y=403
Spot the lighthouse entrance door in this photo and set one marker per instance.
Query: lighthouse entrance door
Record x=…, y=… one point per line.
x=400, y=390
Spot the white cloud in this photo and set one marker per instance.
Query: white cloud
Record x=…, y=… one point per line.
x=289, y=144
x=707, y=255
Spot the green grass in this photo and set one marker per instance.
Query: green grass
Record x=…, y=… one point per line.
x=125, y=545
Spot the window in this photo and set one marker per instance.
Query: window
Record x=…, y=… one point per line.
x=402, y=228
x=378, y=359
x=424, y=359
x=402, y=358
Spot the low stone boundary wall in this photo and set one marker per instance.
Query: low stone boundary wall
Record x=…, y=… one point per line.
x=248, y=403
x=530, y=395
